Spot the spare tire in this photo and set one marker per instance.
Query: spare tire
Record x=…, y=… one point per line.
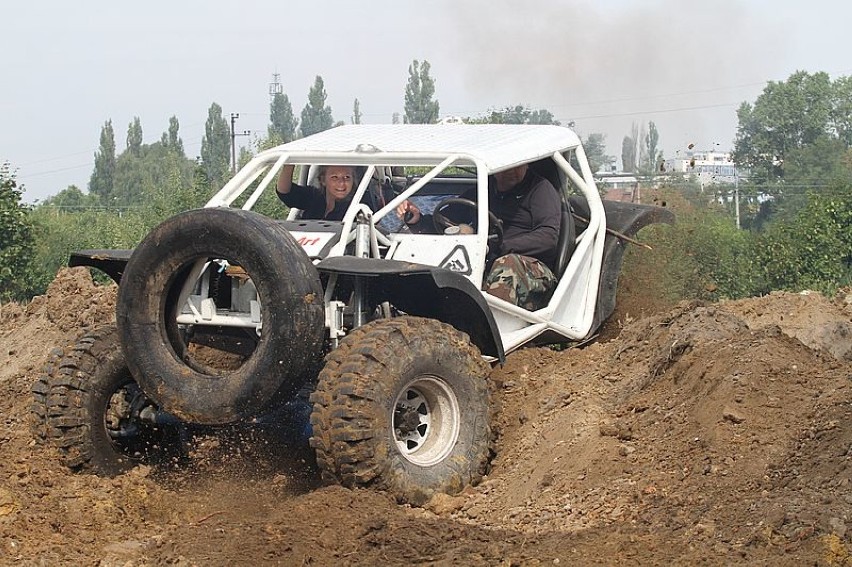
x=291, y=307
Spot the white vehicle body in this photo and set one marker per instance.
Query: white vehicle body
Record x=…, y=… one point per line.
x=483, y=150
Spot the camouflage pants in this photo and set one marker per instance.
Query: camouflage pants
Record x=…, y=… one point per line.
x=520, y=280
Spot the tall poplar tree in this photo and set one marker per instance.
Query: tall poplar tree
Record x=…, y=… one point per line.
x=103, y=176
x=171, y=139
x=652, y=140
x=356, y=112
x=134, y=137
x=420, y=106
x=282, y=121
x=216, y=147
x=316, y=116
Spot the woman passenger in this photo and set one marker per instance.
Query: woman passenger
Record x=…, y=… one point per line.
x=329, y=201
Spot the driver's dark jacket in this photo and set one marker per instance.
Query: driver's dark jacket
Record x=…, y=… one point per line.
x=530, y=212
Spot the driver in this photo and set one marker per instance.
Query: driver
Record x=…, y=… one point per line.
x=530, y=208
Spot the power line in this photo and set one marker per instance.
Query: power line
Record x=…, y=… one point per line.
x=682, y=109
x=57, y=158
x=40, y=173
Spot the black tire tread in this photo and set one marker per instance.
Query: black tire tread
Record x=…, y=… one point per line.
x=40, y=392
x=322, y=396
x=343, y=412
x=61, y=395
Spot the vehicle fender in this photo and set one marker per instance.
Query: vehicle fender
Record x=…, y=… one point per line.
x=425, y=291
x=627, y=219
x=110, y=262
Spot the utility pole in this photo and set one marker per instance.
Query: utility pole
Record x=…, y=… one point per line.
x=234, y=116
x=737, y=195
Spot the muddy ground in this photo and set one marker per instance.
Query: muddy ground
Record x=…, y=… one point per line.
x=703, y=434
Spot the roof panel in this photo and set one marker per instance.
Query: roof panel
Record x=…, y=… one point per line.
x=497, y=145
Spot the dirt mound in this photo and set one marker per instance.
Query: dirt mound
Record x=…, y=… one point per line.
x=818, y=322
x=72, y=305
x=711, y=433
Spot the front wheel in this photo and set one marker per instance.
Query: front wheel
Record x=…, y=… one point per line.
x=403, y=405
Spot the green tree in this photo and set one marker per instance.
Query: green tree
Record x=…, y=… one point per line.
x=16, y=237
x=825, y=160
x=282, y=121
x=316, y=116
x=356, y=112
x=651, y=141
x=60, y=232
x=632, y=150
x=420, y=104
x=516, y=114
x=216, y=147
x=139, y=178
x=171, y=138
x=171, y=187
x=101, y=181
x=628, y=154
x=71, y=198
x=813, y=249
x=244, y=156
x=595, y=147
x=542, y=116
x=134, y=137
x=842, y=109
x=787, y=116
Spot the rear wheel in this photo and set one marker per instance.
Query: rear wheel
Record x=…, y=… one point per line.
x=88, y=406
x=403, y=405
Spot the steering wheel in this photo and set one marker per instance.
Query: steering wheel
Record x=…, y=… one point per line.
x=495, y=225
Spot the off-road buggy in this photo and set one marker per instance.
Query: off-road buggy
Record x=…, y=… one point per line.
x=224, y=314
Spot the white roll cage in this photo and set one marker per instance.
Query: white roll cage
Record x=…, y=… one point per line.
x=571, y=311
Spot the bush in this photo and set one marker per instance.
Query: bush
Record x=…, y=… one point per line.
x=813, y=249
x=16, y=238
x=703, y=256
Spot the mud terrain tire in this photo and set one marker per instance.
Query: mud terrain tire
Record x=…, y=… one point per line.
x=291, y=309
x=82, y=406
x=403, y=405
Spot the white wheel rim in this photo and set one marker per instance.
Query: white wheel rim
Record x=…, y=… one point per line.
x=426, y=421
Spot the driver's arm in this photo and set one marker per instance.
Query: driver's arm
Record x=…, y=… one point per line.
x=418, y=222
x=408, y=212
x=414, y=219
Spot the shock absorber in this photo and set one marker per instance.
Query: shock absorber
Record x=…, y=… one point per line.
x=362, y=250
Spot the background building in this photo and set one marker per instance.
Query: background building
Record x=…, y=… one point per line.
x=709, y=168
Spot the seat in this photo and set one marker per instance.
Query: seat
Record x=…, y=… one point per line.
x=567, y=232
x=567, y=240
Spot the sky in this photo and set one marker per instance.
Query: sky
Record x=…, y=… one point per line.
x=68, y=67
